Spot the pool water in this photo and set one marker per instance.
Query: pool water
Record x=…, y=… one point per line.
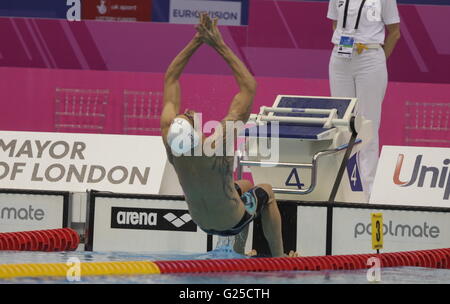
x=398, y=275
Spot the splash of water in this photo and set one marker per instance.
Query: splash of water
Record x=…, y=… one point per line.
x=223, y=250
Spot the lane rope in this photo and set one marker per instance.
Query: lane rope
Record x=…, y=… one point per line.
x=436, y=258
x=8, y=271
x=65, y=239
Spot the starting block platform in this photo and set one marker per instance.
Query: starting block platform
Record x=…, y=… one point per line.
x=298, y=145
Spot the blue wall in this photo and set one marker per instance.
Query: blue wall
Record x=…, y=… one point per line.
x=34, y=8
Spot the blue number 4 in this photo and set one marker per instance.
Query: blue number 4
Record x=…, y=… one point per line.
x=296, y=182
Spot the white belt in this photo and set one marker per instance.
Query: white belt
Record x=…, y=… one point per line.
x=368, y=45
x=372, y=45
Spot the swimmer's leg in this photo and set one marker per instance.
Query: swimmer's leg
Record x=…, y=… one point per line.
x=271, y=222
x=244, y=185
x=241, y=238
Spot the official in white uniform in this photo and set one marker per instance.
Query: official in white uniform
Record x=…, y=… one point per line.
x=358, y=64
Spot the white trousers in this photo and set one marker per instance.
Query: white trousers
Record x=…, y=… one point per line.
x=363, y=76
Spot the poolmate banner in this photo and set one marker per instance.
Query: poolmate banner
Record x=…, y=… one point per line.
x=25, y=211
x=417, y=176
x=77, y=162
x=229, y=12
x=403, y=230
x=351, y=233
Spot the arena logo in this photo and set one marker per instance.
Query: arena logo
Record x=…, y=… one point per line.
x=178, y=221
x=400, y=230
x=137, y=218
x=440, y=177
x=23, y=214
x=151, y=219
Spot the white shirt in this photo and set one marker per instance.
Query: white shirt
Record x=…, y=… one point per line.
x=375, y=15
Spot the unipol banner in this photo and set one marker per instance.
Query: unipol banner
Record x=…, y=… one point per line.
x=417, y=176
x=77, y=162
x=229, y=12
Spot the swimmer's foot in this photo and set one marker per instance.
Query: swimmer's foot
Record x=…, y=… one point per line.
x=251, y=253
x=292, y=254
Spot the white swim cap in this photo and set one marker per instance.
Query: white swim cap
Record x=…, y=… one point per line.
x=182, y=137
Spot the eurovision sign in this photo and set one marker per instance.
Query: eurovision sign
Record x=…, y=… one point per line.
x=77, y=162
x=229, y=12
x=417, y=176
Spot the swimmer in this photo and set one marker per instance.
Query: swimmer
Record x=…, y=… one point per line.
x=217, y=204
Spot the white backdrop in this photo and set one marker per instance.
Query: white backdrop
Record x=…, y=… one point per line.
x=76, y=162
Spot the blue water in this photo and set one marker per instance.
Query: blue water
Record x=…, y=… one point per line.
x=399, y=275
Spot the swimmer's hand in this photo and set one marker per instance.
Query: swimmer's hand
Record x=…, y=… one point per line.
x=205, y=22
x=209, y=32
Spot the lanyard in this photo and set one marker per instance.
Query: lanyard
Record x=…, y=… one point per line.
x=347, y=2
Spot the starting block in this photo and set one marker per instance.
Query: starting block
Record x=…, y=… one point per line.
x=298, y=146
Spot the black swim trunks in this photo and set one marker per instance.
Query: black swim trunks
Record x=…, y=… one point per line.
x=254, y=201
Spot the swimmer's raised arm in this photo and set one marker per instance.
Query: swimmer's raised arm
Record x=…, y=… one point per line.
x=241, y=105
x=171, y=106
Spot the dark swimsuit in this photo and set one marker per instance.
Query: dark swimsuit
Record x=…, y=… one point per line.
x=254, y=201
